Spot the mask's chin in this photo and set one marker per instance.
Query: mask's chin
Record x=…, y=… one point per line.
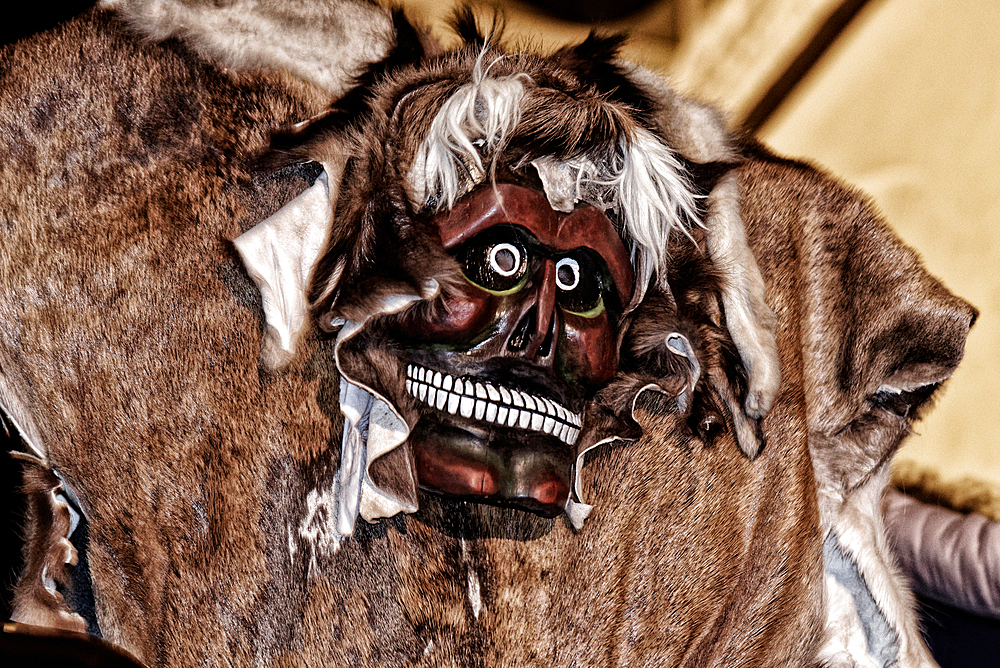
x=495, y=430
x=490, y=464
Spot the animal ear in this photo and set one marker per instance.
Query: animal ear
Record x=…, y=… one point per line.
x=879, y=333
x=281, y=253
x=51, y=521
x=327, y=44
x=909, y=343
x=913, y=351
x=698, y=132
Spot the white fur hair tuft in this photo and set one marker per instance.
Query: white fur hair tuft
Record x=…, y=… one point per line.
x=655, y=198
x=645, y=185
x=477, y=118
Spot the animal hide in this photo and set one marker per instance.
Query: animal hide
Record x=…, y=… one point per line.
x=867, y=379
x=194, y=424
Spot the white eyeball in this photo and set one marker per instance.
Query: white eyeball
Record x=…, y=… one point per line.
x=567, y=273
x=505, y=259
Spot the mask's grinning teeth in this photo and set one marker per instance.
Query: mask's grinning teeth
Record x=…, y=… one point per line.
x=497, y=405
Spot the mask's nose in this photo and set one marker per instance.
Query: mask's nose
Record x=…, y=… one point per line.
x=534, y=334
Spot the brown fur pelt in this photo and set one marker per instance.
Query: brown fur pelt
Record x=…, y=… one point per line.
x=709, y=382
x=873, y=357
x=131, y=362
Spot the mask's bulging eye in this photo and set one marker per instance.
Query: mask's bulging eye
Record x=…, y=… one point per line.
x=495, y=260
x=582, y=281
x=567, y=274
x=505, y=259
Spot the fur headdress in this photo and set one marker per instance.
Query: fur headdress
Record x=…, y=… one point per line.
x=578, y=125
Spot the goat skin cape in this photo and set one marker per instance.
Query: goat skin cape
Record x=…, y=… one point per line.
x=130, y=347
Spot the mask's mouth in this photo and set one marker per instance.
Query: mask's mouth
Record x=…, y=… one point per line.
x=472, y=398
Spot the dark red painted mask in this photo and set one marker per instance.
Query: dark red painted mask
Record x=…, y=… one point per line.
x=506, y=367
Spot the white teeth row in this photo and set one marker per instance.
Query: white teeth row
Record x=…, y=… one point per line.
x=497, y=405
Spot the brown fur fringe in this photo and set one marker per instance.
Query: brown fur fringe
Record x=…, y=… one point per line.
x=965, y=495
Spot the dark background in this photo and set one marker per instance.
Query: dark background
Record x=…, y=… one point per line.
x=10, y=522
x=958, y=639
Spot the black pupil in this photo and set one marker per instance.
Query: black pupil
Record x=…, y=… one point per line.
x=583, y=280
x=505, y=259
x=566, y=275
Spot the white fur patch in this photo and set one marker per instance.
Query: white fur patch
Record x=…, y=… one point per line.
x=319, y=527
x=646, y=187
x=750, y=320
x=654, y=199
x=386, y=432
x=324, y=43
x=577, y=511
x=280, y=255
x=858, y=527
x=477, y=118
x=561, y=181
x=845, y=644
x=473, y=591
x=679, y=345
x=475, y=598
